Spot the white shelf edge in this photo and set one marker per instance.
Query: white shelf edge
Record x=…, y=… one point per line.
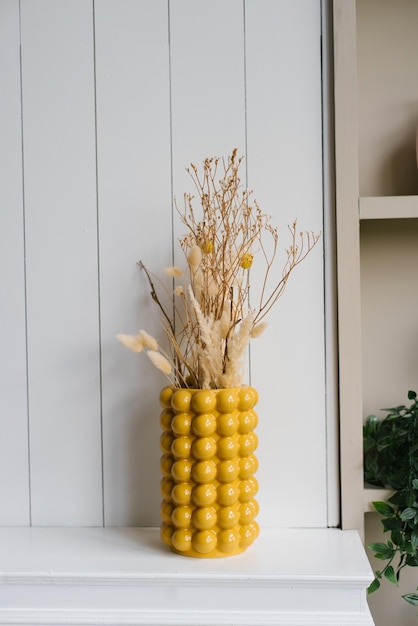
x=77, y=579
x=136, y=556
x=388, y=207
x=167, y=618
x=97, y=576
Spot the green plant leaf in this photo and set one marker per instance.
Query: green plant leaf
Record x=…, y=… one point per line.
x=398, y=498
x=381, y=550
x=377, y=547
x=371, y=425
x=395, y=409
x=409, y=549
x=391, y=460
x=374, y=586
x=396, y=536
x=383, y=508
x=390, y=575
x=408, y=513
x=414, y=539
x=391, y=523
x=413, y=449
x=412, y=598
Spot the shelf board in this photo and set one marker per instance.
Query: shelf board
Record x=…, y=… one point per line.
x=374, y=494
x=388, y=207
x=126, y=576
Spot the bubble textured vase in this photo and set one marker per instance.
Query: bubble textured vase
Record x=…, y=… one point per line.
x=208, y=465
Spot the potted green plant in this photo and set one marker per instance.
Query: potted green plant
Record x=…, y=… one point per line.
x=391, y=460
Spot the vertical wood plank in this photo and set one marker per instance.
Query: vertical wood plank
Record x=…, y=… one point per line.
x=62, y=276
x=207, y=90
x=283, y=60
x=330, y=271
x=208, y=84
x=14, y=470
x=135, y=223
x=348, y=265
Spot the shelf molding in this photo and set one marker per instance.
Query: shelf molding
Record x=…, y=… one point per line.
x=388, y=207
x=126, y=576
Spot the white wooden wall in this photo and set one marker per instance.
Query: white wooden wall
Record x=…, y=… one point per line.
x=103, y=103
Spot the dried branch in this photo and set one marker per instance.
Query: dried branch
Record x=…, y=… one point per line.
x=212, y=321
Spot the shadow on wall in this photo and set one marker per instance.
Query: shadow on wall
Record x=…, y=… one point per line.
x=399, y=172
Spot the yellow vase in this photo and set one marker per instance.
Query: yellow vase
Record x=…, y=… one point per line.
x=208, y=465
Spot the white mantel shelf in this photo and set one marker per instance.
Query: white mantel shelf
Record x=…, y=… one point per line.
x=121, y=576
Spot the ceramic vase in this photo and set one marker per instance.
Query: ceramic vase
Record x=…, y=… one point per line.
x=208, y=465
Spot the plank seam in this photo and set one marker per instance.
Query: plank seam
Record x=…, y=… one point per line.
x=99, y=317
x=25, y=266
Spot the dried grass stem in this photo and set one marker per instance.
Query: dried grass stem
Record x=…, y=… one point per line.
x=212, y=321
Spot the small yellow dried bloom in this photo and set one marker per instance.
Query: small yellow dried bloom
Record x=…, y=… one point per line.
x=133, y=342
x=173, y=271
x=246, y=261
x=207, y=247
x=159, y=361
x=178, y=290
x=258, y=330
x=148, y=340
x=195, y=256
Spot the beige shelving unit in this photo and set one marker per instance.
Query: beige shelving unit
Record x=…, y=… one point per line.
x=388, y=207
x=371, y=494
x=376, y=116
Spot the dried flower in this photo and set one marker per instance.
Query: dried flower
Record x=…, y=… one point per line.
x=173, y=271
x=195, y=256
x=133, y=342
x=258, y=330
x=234, y=361
x=210, y=326
x=225, y=324
x=246, y=261
x=159, y=361
x=148, y=340
x=207, y=247
x=212, y=288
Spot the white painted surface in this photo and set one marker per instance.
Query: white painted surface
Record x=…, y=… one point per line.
x=133, y=117
x=207, y=84
x=284, y=169
x=14, y=462
x=61, y=249
x=125, y=576
x=116, y=103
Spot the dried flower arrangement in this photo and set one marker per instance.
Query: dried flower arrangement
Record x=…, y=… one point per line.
x=213, y=320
